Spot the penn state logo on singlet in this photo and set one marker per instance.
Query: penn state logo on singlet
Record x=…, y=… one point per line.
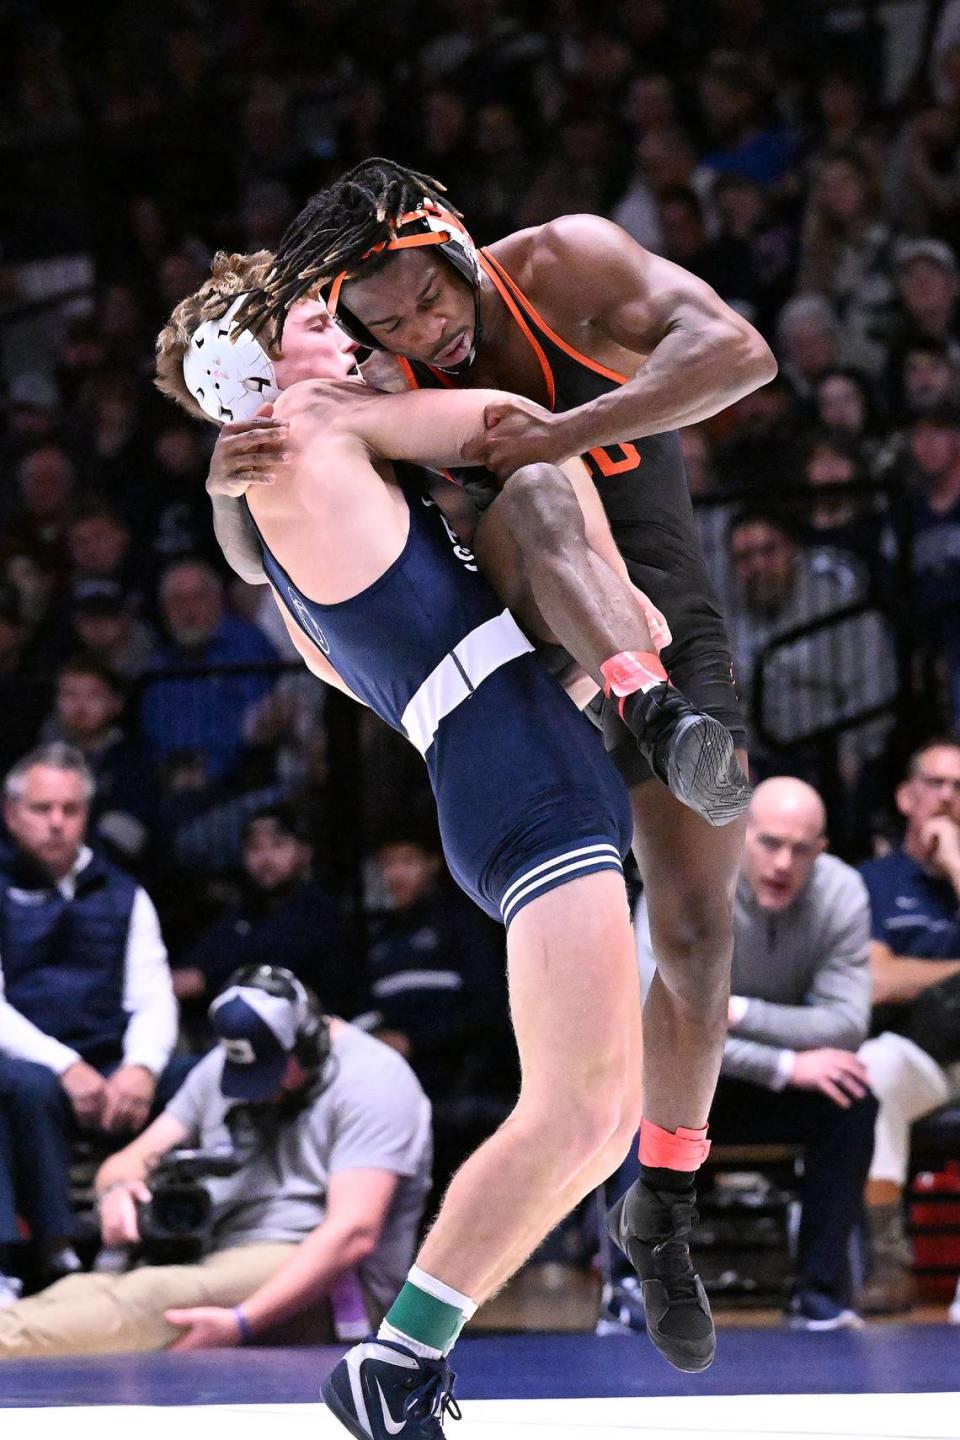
x=307, y=620
x=463, y=553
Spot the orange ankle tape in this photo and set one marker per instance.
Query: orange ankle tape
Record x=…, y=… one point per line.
x=631, y=670
x=669, y=1150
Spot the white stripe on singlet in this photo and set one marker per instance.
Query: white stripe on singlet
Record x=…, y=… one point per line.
x=471, y=661
x=605, y=856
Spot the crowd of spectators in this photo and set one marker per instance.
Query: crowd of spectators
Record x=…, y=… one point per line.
x=820, y=197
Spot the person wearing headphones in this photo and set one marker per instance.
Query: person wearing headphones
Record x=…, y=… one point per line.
x=330, y=1136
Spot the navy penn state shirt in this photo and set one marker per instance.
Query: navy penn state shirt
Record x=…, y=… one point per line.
x=916, y=914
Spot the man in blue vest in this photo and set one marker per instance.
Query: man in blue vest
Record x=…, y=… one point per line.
x=87, y=1015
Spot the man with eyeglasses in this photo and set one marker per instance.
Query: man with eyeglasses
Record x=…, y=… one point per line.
x=799, y=1009
x=913, y=1063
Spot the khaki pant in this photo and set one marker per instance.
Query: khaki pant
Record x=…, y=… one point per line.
x=104, y=1314
x=909, y=1084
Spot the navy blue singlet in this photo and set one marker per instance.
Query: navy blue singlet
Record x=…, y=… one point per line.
x=526, y=798
x=643, y=486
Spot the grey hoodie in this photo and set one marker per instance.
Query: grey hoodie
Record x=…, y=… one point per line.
x=802, y=974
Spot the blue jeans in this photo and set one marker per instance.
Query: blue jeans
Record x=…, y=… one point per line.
x=36, y=1122
x=838, y=1147
x=37, y=1127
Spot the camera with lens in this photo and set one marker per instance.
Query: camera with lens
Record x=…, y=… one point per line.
x=175, y=1223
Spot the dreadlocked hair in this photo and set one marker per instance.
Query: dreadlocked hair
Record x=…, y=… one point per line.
x=333, y=231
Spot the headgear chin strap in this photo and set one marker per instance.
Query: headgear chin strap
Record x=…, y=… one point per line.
x=429, y=224
x=227, y=371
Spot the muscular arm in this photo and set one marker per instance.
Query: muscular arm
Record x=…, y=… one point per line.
x=701, y=355
x=898, y=979
x=357, y=1205
x=437, y=428
x=237, y=538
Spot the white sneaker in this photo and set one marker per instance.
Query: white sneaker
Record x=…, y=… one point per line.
x=10, y=1290
x=953, y=1314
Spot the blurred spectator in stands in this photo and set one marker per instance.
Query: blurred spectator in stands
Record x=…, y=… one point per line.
x=666, y=161
x=187, y=711
x=124, y=325
x=928, y=282
x=178, y=274
x=438, y=994
x=843, y=405
x=82, y=352
x=847, y=254
x=98, y=544
x=87, y=1015
x=808, y=342
x=915, y=959
x=843, y=518
x=934, y=480
x=499, y=172
x=366, y=122
x=744, y=137
x=820, y=678
x=684, y=231
x=576, y=175
x=88, y=714
x=109, y=425
x=103, y=620
x=841, y=98
x=266, y=210
x=24, y=689
x=760, y=438
x=173, y=518
x=699, y=460
x=444, y=133
x=928, y=377
x=650, y=103
x=267, y=152
x=33, y=413
x=283, y=911
x=799, y=1008
x=752, y=254
x=924, y=182
x=289, y=722
x=47, y=493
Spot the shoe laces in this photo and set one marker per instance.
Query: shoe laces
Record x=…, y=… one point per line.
x=661, y=709
x=671, y=1254
x=433, y=1399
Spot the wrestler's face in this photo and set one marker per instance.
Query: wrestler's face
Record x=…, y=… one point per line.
x=416, y=305
x=313, y=347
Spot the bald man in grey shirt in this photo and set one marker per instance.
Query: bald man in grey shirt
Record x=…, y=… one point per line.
x=799, y=1010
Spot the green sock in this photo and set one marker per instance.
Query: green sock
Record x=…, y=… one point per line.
x=427, y=1313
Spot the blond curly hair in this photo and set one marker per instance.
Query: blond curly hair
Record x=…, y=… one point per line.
x=230, y=276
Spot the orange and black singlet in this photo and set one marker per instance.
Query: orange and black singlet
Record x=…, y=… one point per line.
x=643, y=486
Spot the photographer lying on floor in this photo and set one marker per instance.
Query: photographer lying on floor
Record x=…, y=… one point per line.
x=307, y=1191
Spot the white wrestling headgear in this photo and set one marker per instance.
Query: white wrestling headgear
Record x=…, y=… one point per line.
x=229, y=375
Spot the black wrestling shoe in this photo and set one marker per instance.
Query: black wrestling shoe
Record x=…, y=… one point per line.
x=651, y=1227
x=692, y=753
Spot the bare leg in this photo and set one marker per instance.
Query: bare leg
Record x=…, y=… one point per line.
x=532, y=541
x=689, y=872
x=572, y=974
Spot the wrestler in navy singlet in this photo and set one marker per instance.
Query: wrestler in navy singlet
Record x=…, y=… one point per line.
x=643, y=487
x=526, y=799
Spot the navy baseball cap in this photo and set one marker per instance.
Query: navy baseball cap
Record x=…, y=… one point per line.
x=258, y=1032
